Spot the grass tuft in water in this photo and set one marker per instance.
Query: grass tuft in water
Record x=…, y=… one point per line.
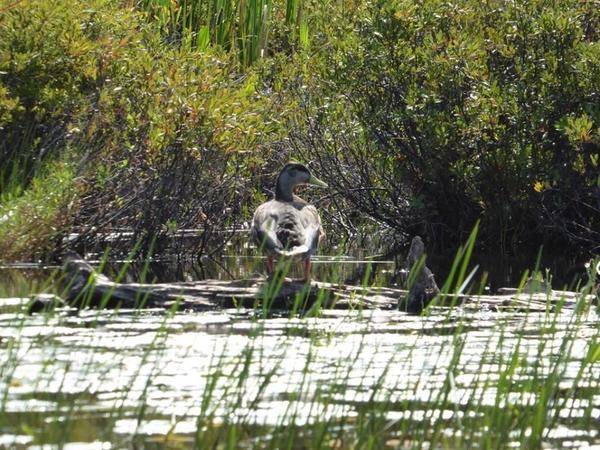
x=455, y=377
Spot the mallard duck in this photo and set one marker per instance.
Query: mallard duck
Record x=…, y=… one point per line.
x=288, y=225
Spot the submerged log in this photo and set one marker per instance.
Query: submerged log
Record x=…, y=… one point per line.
x=44, y=302
x=84, y=287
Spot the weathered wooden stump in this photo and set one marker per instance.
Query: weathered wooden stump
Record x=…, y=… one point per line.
x=423, y=288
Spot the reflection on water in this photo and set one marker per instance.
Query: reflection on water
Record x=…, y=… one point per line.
x=149, y=379
x=348, y=263
x=110, y=377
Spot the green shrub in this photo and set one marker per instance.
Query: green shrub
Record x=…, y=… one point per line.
x=32, y=224
x=177, y=134
x=426, y=116
x=158, y=137
x=440, y=113
x=47, y=66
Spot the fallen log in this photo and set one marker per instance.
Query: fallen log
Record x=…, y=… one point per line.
x=84, y=287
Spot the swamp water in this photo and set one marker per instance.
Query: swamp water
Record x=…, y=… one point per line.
x=454, y=378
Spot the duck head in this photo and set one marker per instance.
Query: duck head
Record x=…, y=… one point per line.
x=292, y=175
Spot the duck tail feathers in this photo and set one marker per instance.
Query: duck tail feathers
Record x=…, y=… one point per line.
x=293, y=251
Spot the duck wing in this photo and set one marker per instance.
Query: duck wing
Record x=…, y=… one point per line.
x=311, y=225
x=287, y=228
x=264, y=227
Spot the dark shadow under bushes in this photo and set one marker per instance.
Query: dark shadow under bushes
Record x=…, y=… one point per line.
x=183, y=203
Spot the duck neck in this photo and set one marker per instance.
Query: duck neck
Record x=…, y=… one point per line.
x=284, y=190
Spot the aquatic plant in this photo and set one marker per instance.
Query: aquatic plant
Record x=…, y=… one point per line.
x=267, y=378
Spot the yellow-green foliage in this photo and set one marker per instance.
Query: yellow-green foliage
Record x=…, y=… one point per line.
x=48, y=60
x=177, y=94
x=7, y=106
x=47, y=54
x=30, y=223
x=94, y=86
x=53, y=52
x=483, y=109
x=460, y=110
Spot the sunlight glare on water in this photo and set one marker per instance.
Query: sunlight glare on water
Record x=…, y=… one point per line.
x=280, y=371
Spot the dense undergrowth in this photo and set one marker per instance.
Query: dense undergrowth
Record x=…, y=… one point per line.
x=157, y=137
x=450, y=112
x=138, y=120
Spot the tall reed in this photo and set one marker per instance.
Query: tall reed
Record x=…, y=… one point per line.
x=240, y=26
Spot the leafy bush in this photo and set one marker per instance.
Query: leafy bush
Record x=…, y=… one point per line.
x=426, y=116
x=437, y=114
x=157, y=137
x=34, y=223
x=177, y=135
x=47, y=66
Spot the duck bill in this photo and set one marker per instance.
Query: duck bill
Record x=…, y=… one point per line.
x=314, y=181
